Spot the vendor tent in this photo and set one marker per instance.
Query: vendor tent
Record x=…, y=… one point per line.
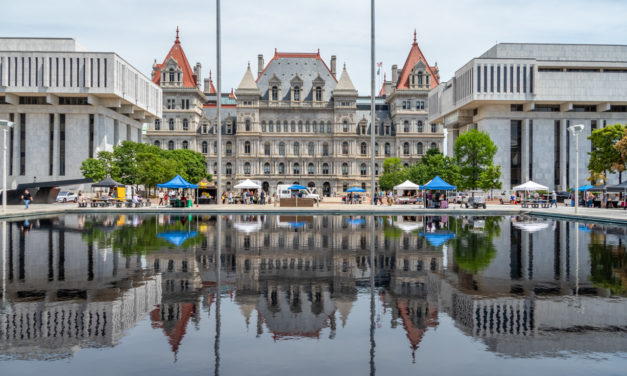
x=177, y=182
x=355, y=189
x=107, y=182
x=407, y=186
x=586, y=187
x=247, y=184
x=296, y=187
x=622, y=187
x=531, y=186
x=437, y=184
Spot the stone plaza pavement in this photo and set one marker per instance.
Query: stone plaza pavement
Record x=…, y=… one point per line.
x=605, y=215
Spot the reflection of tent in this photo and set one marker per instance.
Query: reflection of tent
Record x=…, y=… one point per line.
x=436, y=239
x=408, y=226
x=247, y=227
x=296, y=224
x=177, y=237
x=247, y=184
x=355, y=189
x=177, y=182
x=531, y=226
x=438, y=184
x=583, y=228
x=107, y=183
x=531, y=186
x=622, y=187
x=356, y=221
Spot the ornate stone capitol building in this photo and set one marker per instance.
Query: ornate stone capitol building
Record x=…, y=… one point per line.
x=296, y=120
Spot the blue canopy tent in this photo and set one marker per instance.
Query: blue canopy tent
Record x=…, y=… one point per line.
x=437, y=184
x=437, y=239
x=355, y=189
x=177, y=237
x=296, y=187
x=586, y=187
x=179, y=182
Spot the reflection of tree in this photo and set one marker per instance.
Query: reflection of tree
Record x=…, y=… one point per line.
x=474, y=246
x=132, y=240
x=390, y=231
x=607, y=265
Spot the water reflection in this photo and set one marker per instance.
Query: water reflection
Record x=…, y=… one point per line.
x=519, y=284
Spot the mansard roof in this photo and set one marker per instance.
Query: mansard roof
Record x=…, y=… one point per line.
x=285, y=66
x=415, y=56
x=177, y=53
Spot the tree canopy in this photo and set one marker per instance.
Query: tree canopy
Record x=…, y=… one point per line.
x=605, y=155
x=474, y=152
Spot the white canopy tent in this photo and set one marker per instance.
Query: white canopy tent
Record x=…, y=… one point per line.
x=247, y=184
x=531, y=186
x=407, y=186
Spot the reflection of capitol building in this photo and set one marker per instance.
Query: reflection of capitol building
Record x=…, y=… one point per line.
x=76, y=296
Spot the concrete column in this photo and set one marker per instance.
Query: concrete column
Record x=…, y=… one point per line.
x=524, y=162
x=4, y=77
x=563, y=146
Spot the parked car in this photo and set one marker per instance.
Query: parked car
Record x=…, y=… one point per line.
x=474, y=200
x=65, y=196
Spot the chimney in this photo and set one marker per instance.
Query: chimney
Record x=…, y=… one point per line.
x=333, y=64
x=394, y=74
x=197, y=72
x=155, y=70
x=259, y=64
x=206, y=86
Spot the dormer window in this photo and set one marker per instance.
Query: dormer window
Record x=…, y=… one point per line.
x=297, y=93
x=318, y=94
x=171, y=75
x=419, y=78
x=275, y=93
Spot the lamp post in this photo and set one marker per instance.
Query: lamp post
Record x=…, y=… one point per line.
x=576, y=130
x=5, y=125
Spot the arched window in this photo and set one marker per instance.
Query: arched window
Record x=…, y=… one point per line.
x=307, y=127
x=297, y=93
x=246, y=168
x=185, y=124
x=157, y=143
x=329, y=129
x=204, y=147
x=204, y=128
x=271, y=126
x=185, y=145
x=266, y=148
x=281, y=148
x=387, y=149
x=325, y=169
x=281, y=168
x=434, y=145
x=266, y=168
x=318, y=94
x=434, y=128
x=247, y=125
x=314, y=127
x=419, y=126
x=376, y=169
x=171, y=75
x=171, y=124
x=284, y=126
x=215, y=147
x=247, y=147
x=293, y=126
x=296, y=148
x=406, y=148
x=229, y=168
x=296, y=169
x=310, y=149
x=157, y=124
x=310, y=169
x=325, y=149
x=170, y=145
x=364, y=148
x=229, y=148
x=275, y=93
x=345, y=148
x=345, y=126
x=363, y=185
x=406, y=126
x=363, y=170
x=376, y=148
x=420, y=78
x=344, y=168
x=263, y=126
x=419, y=148
x=300, y=126
x=215, y=168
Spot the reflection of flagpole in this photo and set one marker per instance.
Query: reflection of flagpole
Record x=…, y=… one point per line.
x=372, y=310
x=576, y=258
x=4, y=261
x=216, y=346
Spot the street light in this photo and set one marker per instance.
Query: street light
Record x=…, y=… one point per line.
x=5, y=125
x=576, y=130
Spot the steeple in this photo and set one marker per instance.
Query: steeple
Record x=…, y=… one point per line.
x=177, y=36
x=248, y=86
x=345, y=86
x=415, y=37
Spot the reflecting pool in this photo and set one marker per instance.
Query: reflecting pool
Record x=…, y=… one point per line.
x=312, y=295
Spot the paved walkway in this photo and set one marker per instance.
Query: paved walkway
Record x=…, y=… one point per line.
x=609, y=215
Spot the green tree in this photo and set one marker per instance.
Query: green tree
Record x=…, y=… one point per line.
x=393, y=173
x=474, y=151
x=604, y=157
x=434, y=164
x=490, y=178
x=95, y=169
x=189, y=164
x=125, y=156
x=110, y=165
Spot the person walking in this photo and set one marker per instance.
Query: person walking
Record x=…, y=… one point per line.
x=553, y=199
x=161, y=196
x=27, y=198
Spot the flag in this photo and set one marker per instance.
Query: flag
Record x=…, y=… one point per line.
x=379, y=65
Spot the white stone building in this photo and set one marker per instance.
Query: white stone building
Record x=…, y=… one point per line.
x=525, y=96
x=67, y=105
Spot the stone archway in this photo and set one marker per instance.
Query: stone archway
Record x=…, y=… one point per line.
x=326, y=189
x=265, y=186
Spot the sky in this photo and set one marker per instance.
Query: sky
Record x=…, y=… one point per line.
x=449, y=32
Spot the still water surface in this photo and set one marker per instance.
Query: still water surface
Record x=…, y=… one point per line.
x=312, y=295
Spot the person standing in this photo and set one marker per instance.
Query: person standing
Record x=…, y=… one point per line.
x=27, y=198
x=553, y=199
x=161, y=196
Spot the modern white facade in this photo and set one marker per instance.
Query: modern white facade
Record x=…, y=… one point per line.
x=67, y=105
x=525, y=96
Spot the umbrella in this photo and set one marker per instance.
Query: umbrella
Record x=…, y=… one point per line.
x=355, y=189
x=296, y=187
x=531, y=186
x=436, y=239
x=177, y=237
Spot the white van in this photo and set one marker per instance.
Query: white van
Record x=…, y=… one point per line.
x=284, y=192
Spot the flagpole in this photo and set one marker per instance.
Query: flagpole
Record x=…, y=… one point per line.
x=218, y=125
x=373, y=119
